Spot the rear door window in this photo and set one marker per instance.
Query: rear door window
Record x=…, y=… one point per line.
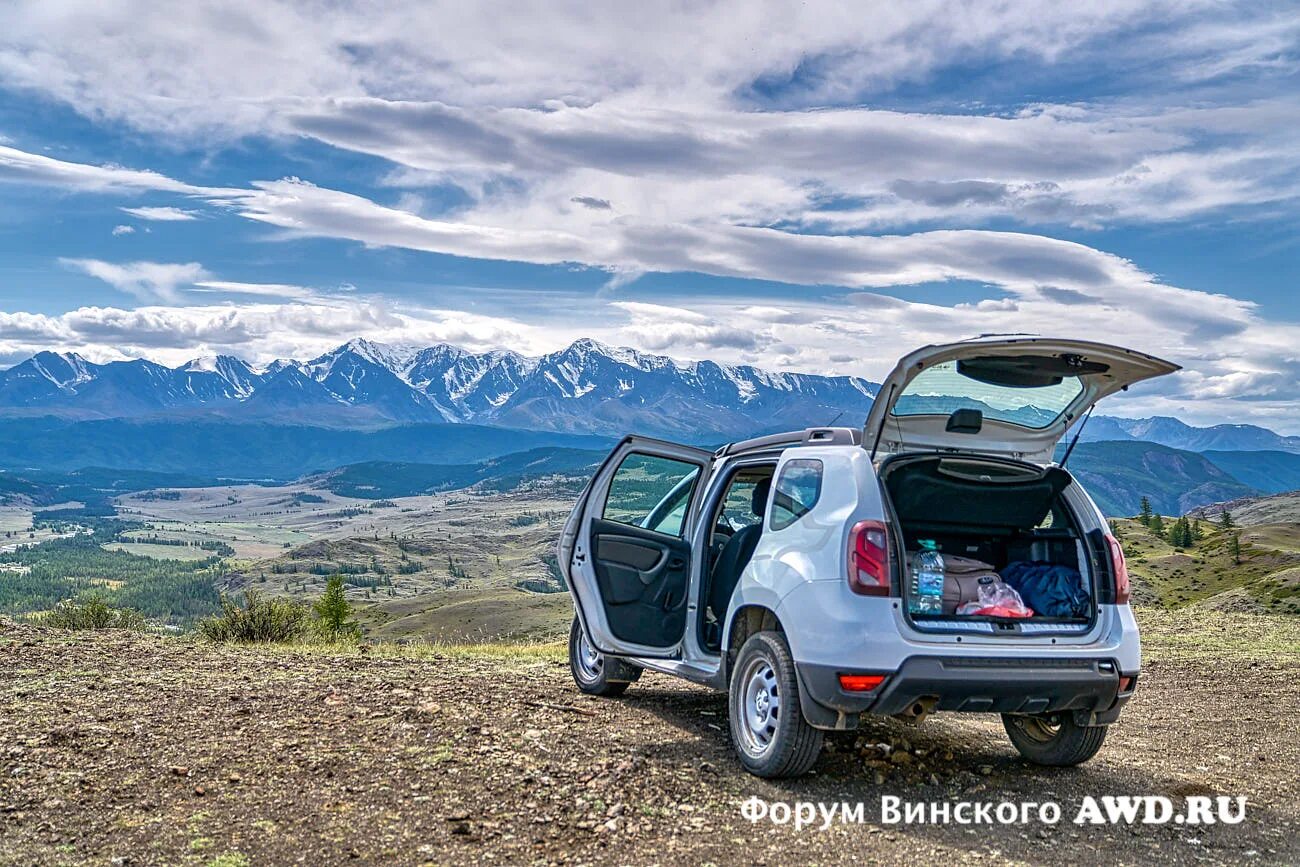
x=1033, y=401
x=651, y=492
x=797, y=490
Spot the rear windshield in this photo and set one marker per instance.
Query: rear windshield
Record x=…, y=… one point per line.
x=944, y=388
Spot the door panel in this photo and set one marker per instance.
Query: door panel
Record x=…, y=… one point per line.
x=625, y=547
x=642, y=576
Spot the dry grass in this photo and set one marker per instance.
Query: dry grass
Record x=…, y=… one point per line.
x=1205, y=634
x=553, y=651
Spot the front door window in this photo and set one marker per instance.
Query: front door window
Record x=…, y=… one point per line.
x=651, y=492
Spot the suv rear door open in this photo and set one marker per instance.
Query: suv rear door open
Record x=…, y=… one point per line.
x=626, y=547
x=1008, y=396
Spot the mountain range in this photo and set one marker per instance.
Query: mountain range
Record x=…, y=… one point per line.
x=1171, y=432
x=585, y=388
x=375, y=422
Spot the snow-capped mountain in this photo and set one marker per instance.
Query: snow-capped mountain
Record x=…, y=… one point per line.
x=219, y=377
x=362, y=374
x=587, y=387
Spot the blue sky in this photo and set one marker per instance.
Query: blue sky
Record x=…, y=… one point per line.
x=806, y=186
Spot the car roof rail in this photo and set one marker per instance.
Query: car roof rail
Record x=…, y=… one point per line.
x=813, y=436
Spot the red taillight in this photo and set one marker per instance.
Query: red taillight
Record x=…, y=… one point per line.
x=869, y=558
x=860, y=682
x=1120, y=570
x=1126, y=684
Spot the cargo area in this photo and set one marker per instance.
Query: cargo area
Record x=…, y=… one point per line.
x=993, y=521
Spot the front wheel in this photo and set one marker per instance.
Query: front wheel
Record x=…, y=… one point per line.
x=593, y=672
x=1053, y=739
x=770, y=734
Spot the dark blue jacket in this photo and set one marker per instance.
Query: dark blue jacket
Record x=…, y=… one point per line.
x=1050, y=590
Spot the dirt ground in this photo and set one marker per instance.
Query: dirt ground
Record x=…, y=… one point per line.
x=127, y=749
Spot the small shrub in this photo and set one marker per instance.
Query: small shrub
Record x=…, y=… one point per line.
x=93, y=613
x=258, y=620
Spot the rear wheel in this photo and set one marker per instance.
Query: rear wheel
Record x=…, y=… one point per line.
x=1053, y=739
x=768, y=730
x=593, y=672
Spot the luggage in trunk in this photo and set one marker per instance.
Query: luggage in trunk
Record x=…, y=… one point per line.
x=993, y=517
x=961, y=580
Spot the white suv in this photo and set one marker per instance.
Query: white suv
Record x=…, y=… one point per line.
x=777, y=568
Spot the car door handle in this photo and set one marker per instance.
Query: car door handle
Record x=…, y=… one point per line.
x=676, y=563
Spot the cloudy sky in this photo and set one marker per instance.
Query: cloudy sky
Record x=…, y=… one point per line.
x=815, y=187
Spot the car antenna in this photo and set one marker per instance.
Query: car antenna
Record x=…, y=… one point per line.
x=1077, y=433
x=837, y=418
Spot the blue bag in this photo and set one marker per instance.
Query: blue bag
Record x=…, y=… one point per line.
x=1049, y=589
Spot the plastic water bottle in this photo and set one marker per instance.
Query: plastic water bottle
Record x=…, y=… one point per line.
x=927, y=579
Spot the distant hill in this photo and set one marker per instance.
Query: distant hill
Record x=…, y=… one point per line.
x=94, y=486
x=1268, y=471
x=1254, y=511
x=256, y=451
x=1119, y=474
x=375, y=480
x=1264, y=577
x=1176, y=434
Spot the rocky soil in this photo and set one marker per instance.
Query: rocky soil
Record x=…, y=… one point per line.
x=127, y=749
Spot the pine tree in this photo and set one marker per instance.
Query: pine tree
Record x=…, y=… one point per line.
x=1234, y=547
x=1198, y=532
x=334, y=612
x=1145, y=515
x=1225, y=520
x=1157, y=526
x=1180, y=534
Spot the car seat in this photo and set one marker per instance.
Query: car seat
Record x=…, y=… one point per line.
x=735, y=556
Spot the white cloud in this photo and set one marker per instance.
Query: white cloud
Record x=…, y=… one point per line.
x=20, y=166
x=267, y=290
x=225, y=67
x=651, y=111
x=730, y=138
x=147, y=281
x=659, y=327
x=258, y=332
x=123, y=230
x=1020, y=263
x=163, y=214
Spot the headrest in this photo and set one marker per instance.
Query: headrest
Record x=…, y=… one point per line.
x=758, y=501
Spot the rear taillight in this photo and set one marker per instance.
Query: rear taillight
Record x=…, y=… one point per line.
x=1119, y=569
x=869, y=558
x=860, y=682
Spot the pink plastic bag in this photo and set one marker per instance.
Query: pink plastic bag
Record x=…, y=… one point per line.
x=997, y=599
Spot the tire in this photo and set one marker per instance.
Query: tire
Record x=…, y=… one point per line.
x=1053, y=739
x=768, y=730
x=595, y=673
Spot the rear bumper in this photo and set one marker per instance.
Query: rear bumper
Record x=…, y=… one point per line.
x=1089, y=688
